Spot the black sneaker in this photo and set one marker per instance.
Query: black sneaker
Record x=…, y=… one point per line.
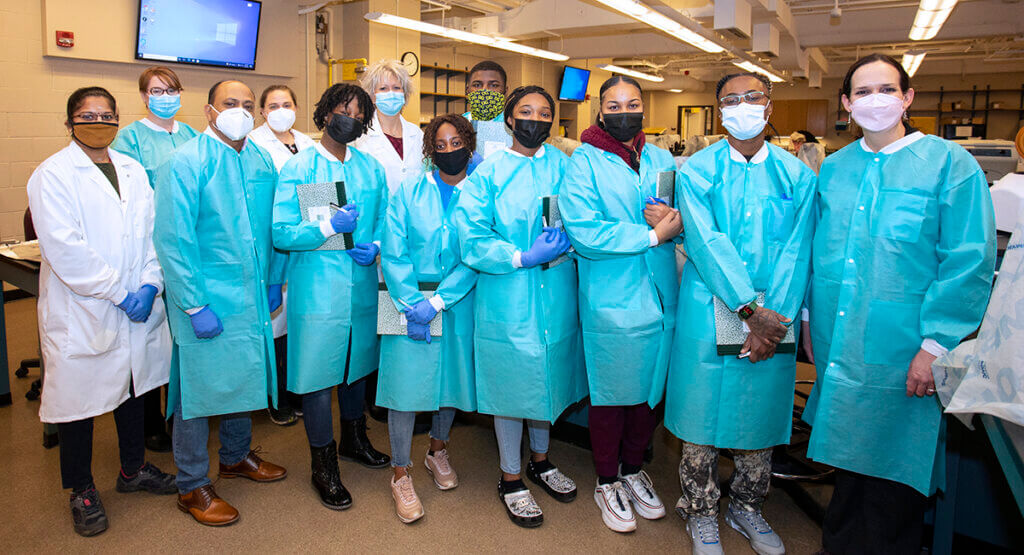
x=87, y=513
x=282, y=417
x=148, y=478
x=519, y=503
x=547, y=476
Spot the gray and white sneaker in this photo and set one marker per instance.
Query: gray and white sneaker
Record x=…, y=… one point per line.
x=704, y=535
x=614, y=504
x=521, y=507
x=558, y=485
x=753, y=526
x=640, y=490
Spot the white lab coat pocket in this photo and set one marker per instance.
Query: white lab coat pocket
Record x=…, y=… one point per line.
x=92, y=327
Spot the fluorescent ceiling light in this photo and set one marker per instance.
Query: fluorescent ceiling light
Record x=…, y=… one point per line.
x=675, y=90
x=630, y=72
x=931, y=14
x=455, y=34
x=912, y=61
x=754, y=68
x=643, y=14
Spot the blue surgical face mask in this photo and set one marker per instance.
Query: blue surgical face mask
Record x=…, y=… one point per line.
x=165, y=105
x=391, y=102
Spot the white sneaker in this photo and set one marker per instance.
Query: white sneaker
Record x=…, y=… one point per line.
x=640, y=490
x=704, y=535
x=753, y=526
x=615, y=510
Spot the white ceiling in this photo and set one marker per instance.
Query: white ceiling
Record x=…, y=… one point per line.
x=980, y=36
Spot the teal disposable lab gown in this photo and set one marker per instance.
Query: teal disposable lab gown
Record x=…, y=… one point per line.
x=528, y=350
x=627, y=289
x=332, y=301
x=150, y=147
x=748, y=228
x=421, y=245
x=904, y=252
x=212, y=235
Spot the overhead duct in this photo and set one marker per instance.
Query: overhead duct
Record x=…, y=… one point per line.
x=733, y=17
x=766, y=40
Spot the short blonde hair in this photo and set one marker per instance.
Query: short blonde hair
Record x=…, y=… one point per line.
x=377, y=72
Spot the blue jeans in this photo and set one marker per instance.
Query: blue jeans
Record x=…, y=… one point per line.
x=400, y=427
x=190, y=438
x=510, y=440
x=316, y=411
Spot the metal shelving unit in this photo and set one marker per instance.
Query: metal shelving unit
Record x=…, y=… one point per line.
x=442, y=76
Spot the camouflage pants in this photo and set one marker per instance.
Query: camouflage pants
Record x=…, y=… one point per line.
x=698, y=477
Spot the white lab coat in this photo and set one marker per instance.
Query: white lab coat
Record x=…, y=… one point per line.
x=396, y=169
x=265, y=138
x=95, y=248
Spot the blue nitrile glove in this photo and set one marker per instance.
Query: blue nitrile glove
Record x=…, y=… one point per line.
x=344, y=220
x=416, y=332
x=547, y=247
x=144, y=304
x=274, y=294
x=206, y=324
x=421, y=313
x=130, y=303
x=656, y=200
x=364, y=253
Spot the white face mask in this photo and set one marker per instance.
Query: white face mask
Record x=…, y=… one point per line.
x=877, y=112
x=234, y=123
x=744, y=121
x=281, y=119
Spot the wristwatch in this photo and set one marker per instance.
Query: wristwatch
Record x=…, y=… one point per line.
x=747, y=311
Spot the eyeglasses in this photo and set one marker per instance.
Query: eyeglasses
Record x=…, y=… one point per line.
x=752, y=97
x=157, y=91
x=90, y=117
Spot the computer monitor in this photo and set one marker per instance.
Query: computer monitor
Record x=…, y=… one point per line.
x=574, y=84
x=221, y=33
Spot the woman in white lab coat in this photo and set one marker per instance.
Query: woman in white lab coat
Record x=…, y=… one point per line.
x=392, y=140
x=102, y=325
x=281, y=141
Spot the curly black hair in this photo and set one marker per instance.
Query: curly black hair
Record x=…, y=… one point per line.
x=721, y=82
x=340, y=94
x=518, y=95
x=462, y=127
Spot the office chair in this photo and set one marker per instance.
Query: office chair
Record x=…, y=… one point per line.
x=37, y=386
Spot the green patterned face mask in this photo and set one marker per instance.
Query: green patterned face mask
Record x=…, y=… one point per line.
x=485, y=105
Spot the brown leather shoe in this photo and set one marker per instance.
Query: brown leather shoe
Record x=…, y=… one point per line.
x=254, y=468
x=206, y=507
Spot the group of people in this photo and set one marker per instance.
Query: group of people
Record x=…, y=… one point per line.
x=167, y=253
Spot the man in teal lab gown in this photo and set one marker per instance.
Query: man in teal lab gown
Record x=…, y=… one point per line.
x=746, y=208
x=214, y=199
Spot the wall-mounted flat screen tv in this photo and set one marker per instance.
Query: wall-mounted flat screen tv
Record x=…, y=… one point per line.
x=574, y=84
x=219, y=33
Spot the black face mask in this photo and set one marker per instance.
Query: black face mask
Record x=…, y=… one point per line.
x=531, y=133
x=453, y=161
x=344, y=129
x=623, y=126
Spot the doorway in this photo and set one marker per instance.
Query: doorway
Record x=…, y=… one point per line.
x=694, y=120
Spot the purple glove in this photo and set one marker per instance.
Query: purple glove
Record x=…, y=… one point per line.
x=548, y=246
x=421, y=313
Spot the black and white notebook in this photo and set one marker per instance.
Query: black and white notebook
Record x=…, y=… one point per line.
x=730, y=333
x=391, y=321
x=315, y=200
x=552, y=218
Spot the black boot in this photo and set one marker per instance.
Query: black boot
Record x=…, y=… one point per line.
x=355, y=446
x=327, y=478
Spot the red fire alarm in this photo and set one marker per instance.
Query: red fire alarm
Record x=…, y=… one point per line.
x=65, y=39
